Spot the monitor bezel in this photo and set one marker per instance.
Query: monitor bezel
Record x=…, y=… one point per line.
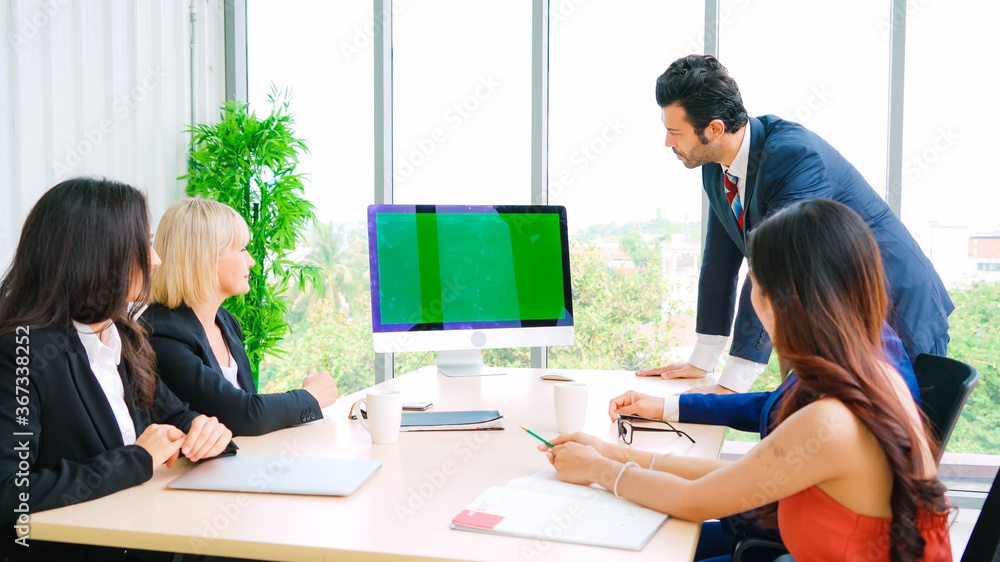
x=379, y=328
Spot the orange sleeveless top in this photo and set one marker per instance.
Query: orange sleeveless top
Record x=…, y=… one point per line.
x=815, y=526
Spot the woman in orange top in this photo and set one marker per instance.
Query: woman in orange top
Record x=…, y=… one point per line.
x=850, y=463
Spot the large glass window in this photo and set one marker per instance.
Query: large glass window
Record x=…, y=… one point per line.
x=839, y=93
x=461, y=102
x=324, y=53
x=949, y=203
x=462, y=114
x=462, y=111
x=824, y=65
x=634, y=211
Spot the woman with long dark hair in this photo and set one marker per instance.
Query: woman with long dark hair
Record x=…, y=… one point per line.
x=82, y=414
x=850, y=463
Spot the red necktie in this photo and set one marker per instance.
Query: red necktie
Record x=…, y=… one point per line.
x=733, y=195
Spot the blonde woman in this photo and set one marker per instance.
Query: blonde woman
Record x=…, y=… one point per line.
x=198, y=343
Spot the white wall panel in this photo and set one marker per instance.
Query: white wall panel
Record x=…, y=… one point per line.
x=7, y=197
x=101, y=88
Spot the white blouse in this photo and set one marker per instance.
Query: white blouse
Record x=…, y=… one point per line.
x=231, y=372
x=105, y=354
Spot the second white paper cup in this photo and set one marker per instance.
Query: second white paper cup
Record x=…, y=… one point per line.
x=571, y=406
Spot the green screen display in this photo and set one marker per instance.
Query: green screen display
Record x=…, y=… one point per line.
x=470, y=267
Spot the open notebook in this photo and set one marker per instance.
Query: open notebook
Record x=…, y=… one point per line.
x=541, y=507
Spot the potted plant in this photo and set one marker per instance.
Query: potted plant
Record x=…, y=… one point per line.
x=248, y=163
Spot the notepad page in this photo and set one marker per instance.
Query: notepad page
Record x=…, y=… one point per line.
x=546, y=481
x=584, y=516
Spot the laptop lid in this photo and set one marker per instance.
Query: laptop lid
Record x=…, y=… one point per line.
x=278, y=475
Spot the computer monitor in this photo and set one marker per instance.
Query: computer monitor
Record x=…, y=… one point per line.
x=458, y=279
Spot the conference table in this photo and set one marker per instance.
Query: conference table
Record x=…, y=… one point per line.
x=405, y=509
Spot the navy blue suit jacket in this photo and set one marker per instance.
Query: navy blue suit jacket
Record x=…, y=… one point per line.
x=755, y=411
x=788, y=163
x=188, y=366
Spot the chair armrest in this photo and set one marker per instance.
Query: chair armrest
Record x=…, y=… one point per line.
x=747, y=543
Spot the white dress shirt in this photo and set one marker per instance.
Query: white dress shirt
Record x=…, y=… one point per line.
x=738, y=373
x=672, y=408
x=104, y=353
x=231, y=371
x=738, y=169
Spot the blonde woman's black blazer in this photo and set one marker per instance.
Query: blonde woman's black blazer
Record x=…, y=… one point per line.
x=188, y=365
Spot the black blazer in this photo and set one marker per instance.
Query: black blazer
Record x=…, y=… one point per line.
x=188, y=366
x=61, y=444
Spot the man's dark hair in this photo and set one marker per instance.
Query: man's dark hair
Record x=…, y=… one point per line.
x=704, y=89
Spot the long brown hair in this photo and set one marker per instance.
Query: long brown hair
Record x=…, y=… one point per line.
x=820, y=266
x=78, y=249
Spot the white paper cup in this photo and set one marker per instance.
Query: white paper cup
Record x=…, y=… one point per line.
x=571, y=406
x=385, y=411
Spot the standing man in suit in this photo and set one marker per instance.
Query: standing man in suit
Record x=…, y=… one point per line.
x=752, y=167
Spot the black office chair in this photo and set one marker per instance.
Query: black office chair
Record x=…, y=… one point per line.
x=776, y=547
x=984, y=543
x=945, y=385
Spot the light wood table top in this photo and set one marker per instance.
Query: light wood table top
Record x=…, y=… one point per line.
x=406, y=508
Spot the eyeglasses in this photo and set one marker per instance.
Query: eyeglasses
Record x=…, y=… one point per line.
x=627, y=427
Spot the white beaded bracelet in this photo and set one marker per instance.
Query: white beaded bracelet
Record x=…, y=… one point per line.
x=652, y=463
x=620, y=472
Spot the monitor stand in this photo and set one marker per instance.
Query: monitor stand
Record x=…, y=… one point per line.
x=464, y=363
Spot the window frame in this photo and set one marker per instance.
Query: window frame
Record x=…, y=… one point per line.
x=237, y=78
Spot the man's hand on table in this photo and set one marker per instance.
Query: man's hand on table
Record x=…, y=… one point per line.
x=714, y=389
x=674, y=371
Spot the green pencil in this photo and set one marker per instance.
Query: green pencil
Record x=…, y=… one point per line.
x=537, y=436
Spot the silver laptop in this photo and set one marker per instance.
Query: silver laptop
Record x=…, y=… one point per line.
x=278, y=475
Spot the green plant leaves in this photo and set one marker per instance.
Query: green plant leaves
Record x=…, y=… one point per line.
x=249, y=164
